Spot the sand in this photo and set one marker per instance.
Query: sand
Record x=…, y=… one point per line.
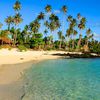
x=11, y=73
x=12, y=66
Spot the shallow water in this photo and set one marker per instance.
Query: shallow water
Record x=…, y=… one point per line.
x=64, y=79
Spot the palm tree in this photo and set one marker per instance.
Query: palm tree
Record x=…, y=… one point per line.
x=34, y=26
x=54, y=23
x=17, y=21
x=17, y=18
x=71, y=32
x=73, y=24
x=41, y=16
x=81, y=27
x=69, y=35
x=9, y=21
x=17, y=6
x=48, y=8
x=60, y=35
x=64, y=9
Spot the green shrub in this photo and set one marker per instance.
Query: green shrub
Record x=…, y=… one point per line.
x=22, y=48
x=27, y=46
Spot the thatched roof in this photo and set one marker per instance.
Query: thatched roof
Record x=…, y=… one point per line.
x=5, y=40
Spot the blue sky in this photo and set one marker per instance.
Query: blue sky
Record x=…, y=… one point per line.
x=30, y=8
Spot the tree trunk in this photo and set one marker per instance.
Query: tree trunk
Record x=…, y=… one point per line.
x=2, y=42
x=8, y=27
x=60, y=45
x=79, y=42
x=73, y=44
x=15, y=37
x=87, y=42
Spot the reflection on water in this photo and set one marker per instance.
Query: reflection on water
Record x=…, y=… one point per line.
x=64, y=79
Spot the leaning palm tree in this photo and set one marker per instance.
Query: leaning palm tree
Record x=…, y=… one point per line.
x=9, y=21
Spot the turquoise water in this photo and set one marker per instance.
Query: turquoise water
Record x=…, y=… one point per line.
x=64, y=79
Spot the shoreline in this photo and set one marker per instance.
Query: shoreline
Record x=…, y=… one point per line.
x=13, y=65
x=14, y=58
x=11, y=74
x=10, y=63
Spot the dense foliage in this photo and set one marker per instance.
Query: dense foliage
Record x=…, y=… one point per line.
x=31, y=37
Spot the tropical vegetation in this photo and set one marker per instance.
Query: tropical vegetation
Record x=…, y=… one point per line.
x=70, y=31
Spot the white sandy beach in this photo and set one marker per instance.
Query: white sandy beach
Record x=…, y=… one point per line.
x=9, y=74
x=12, y=66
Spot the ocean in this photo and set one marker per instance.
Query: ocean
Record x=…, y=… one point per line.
x=63, y=79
